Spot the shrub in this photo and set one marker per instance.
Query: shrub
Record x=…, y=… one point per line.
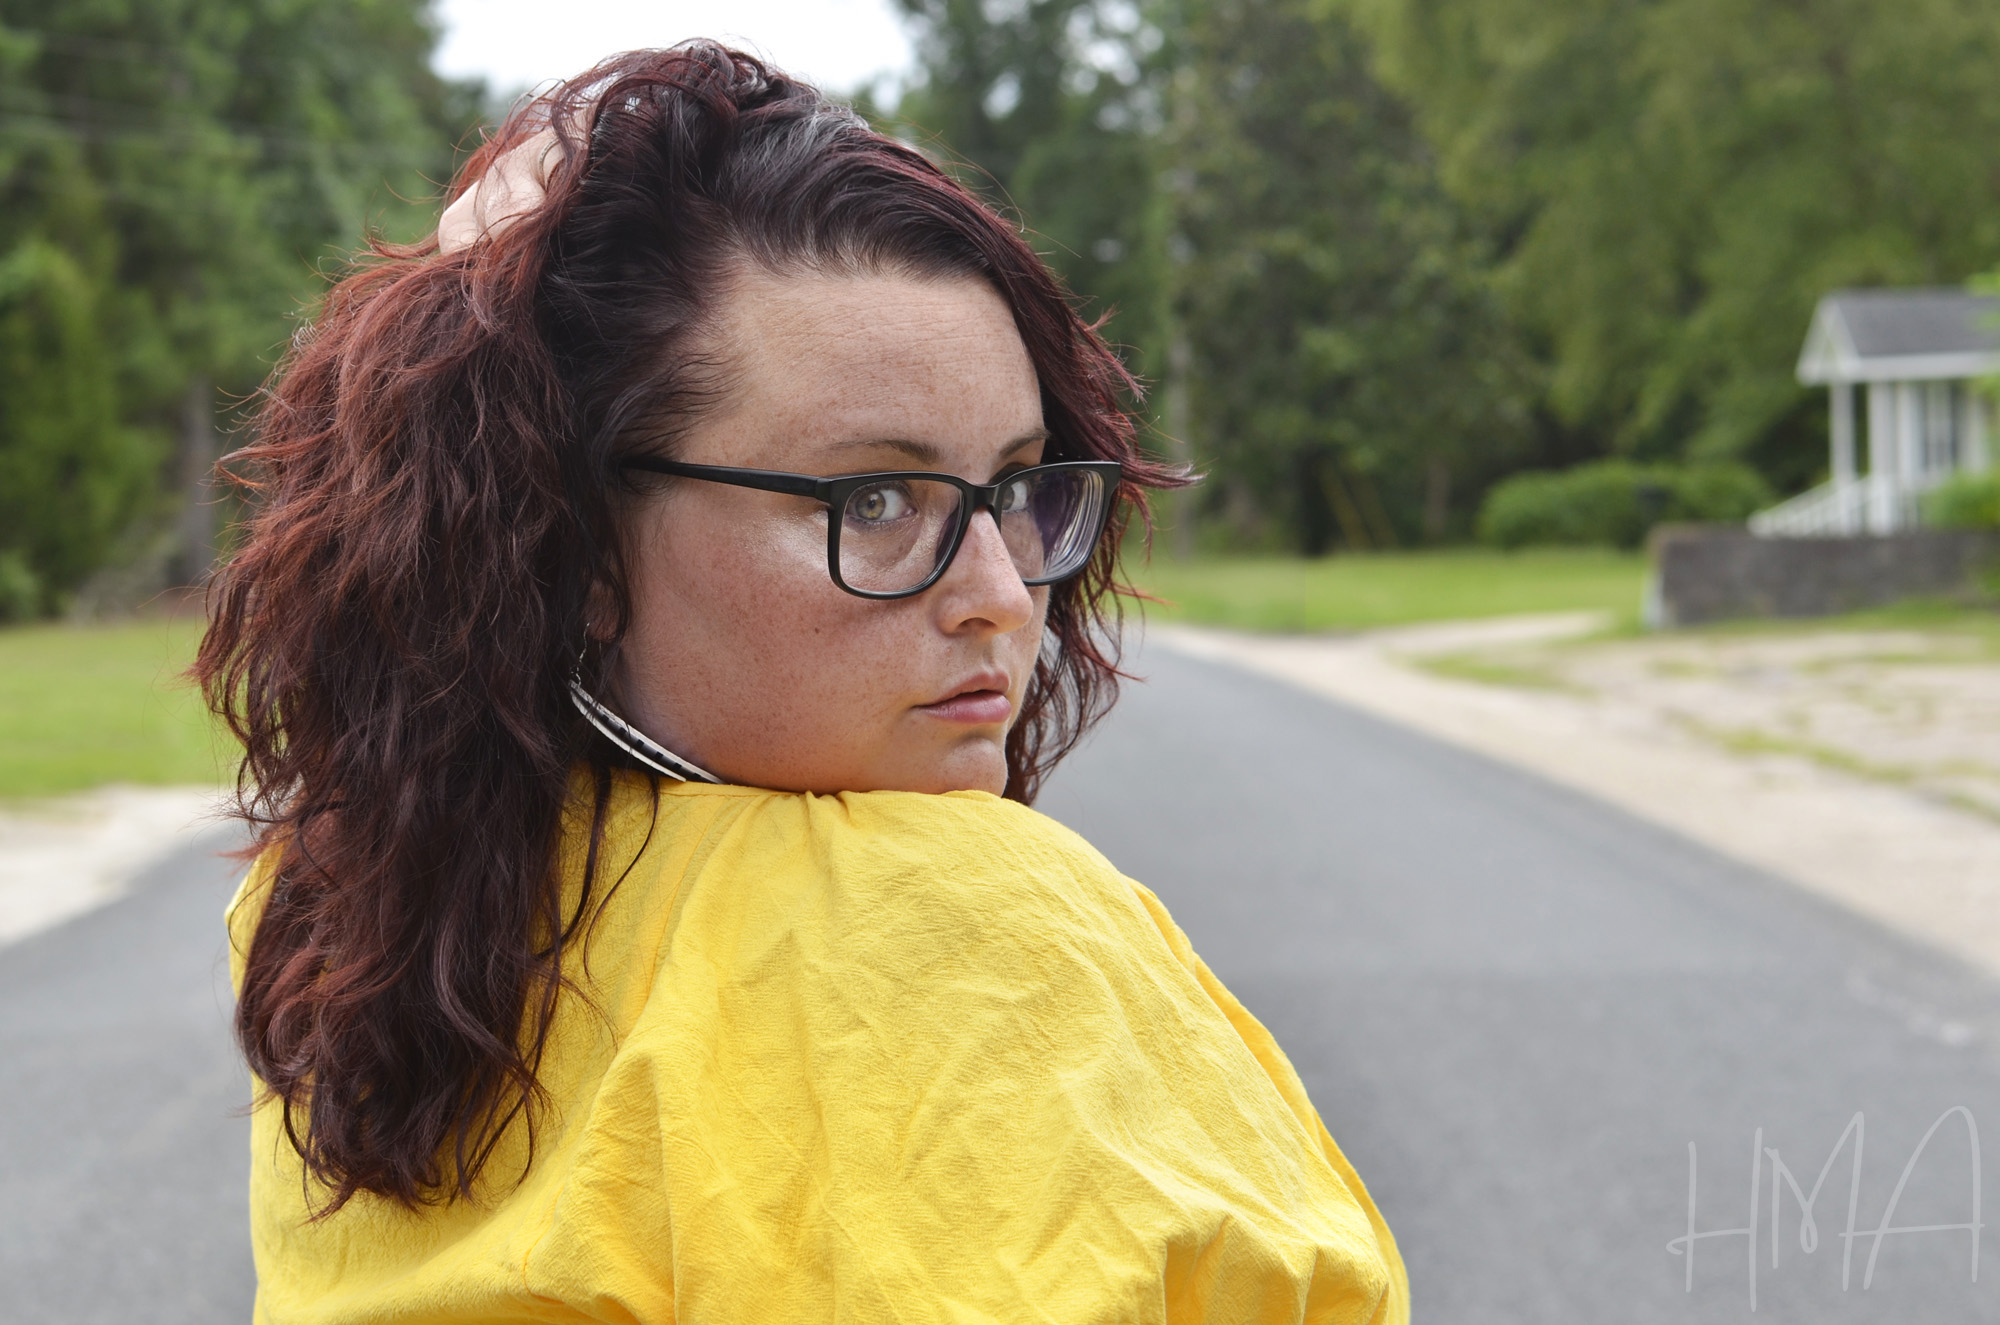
x=1614, y=502
x=1598, y=503
x=1719, y=492
x=1965, y=501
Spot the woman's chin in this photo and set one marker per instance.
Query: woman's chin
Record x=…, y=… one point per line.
x=975, y=764
x=970, y=764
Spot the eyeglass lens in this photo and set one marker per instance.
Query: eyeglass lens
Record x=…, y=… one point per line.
x=894, y=534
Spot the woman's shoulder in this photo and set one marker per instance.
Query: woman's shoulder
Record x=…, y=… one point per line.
x=959, y=828
x=947, y=837
x=712, y=889
x=979, y=815
x=942, y=1033
x=855, y=863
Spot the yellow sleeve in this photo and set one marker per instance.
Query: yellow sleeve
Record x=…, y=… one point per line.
x=1395, y=1309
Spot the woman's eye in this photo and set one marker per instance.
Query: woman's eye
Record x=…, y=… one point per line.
x=875, y=505
x=1014, y=497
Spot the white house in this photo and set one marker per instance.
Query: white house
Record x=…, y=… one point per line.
x=1911, y=357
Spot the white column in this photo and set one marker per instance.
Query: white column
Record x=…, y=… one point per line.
x=1884, y=466
x=1909, y=447
x=1940, y=432
x=1840, y=402
x=1973, y=457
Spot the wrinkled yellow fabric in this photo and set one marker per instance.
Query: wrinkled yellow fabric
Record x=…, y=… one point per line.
x=882, y=1057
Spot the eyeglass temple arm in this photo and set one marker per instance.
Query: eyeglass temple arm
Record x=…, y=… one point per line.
x=764, y=480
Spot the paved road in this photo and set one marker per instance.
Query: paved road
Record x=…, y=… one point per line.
x=1515, y=1008
x=122, y=1167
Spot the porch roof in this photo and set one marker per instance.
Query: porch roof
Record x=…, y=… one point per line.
x=1901, y=336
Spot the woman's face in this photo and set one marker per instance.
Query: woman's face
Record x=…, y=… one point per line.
x=741, y=653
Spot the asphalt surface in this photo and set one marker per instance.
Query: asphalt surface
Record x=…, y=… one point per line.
x=123, y=1156
x=1515, y=1008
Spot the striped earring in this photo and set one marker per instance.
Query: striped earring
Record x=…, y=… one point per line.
x=629, y=738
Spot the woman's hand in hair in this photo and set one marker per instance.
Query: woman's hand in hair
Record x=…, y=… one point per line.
x=514, y=185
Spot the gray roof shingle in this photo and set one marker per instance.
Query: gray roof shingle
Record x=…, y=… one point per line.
x=1898, y=335
x=1893, y=323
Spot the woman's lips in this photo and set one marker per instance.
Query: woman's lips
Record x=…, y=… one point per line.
x=984, y=705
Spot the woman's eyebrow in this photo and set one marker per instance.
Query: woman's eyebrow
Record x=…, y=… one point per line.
x=1025, y=440
x=924, y=453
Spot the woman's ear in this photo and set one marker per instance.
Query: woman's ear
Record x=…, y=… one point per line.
x=600, y=613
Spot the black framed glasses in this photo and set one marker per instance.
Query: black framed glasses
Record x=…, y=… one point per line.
x=892, y=535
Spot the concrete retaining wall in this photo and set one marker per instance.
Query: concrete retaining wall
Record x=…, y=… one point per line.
x=1718, y=572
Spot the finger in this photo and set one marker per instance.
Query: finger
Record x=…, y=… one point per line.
x=514, y=185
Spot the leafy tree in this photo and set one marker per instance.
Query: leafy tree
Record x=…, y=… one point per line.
x=71, y=473
x=1672, y=185
x=1346, y=361
x=172, y=172
x=1261, y=222
x=1051, y=107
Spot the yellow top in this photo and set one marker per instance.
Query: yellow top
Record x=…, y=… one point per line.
x=871, y=1057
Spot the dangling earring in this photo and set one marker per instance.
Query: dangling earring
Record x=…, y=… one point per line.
x=627, y=737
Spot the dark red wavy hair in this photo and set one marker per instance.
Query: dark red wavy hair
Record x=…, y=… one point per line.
x=434, y=479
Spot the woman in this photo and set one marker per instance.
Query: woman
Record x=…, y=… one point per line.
x=664, y=597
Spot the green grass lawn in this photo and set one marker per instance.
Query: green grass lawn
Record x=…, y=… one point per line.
x=1393, y=588
x=81, y=706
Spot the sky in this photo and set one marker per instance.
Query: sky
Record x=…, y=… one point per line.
x=514, y=44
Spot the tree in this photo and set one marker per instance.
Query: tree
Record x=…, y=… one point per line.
x=1671, y=186
x=1347, y=361
x=182, y=168
x=1051, y=108
x=1261, y=222
x=71, y=473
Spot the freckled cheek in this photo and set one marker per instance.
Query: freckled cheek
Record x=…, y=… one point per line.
x=791, y=641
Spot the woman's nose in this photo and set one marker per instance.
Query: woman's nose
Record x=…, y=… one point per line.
x=983, y=584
